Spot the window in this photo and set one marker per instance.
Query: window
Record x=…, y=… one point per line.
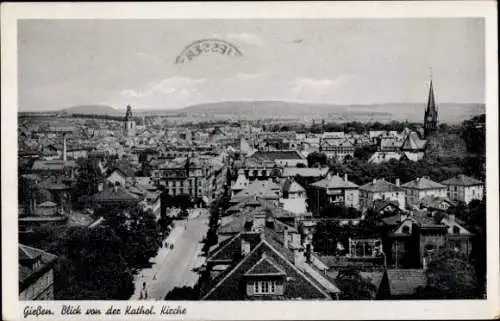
x=265, y=287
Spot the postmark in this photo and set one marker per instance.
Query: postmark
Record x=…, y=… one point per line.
x=207, y=46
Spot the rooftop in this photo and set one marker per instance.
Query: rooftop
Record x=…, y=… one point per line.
x=334, y=182
x=380, y=185
x=423, y=183
x=462, y=180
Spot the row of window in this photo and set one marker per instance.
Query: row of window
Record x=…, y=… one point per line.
x=266, y=287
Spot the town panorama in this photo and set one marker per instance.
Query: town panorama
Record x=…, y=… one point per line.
x=256, y=164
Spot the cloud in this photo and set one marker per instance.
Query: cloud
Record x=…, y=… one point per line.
x=312, y=86
x=248, y=38
x=244, y=75
x=173, y=92
x=170, y=86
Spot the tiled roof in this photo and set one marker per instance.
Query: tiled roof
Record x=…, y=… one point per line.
x=299, y=285
x=432, y=201
x=291, y=186
x=413, y=142
x=53, y=183
x=380, y=185
x=240, y=183
x=334, y=182
x=55, y=165
x=423, y=183
x=304, y=172
x=262, y=189
x=414, y=156
x=404, y=282
x=380, y=204
x=276, y=155
x=27, y=254
x=462, y=180
x=265, y=266
x=336, y=142
x=379, y=157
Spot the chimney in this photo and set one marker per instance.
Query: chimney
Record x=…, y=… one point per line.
x=329, y=175
x=295, y=240
x=100, y=187
x=64, y=147
x=299, y=258
x=374, y=181
x=345, y=177
x=245, y=247
x=397, y=181
x=259, y=221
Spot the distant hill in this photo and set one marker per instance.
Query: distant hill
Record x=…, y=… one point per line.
x=93, y=110
x=413, y=112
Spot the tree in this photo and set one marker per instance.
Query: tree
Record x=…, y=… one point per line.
x=451, y=274
x=138, y=230
x=354, y=286
x=364, y=152
x=91, y=266
x=316, y=159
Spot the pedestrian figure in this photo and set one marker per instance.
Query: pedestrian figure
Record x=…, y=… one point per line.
x=144, y=293
x=154, y=277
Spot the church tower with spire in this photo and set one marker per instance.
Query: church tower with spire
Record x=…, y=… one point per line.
x=431, y=114
x=129, y=130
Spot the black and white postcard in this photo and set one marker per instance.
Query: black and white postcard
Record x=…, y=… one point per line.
x=250, y=161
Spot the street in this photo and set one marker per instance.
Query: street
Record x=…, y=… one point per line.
x=174, y=267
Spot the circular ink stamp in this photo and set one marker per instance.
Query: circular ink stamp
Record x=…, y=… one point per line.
x=206, y=46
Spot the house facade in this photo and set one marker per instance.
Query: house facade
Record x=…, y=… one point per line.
x=463, y=188
x=421, y=187
x=381, y=189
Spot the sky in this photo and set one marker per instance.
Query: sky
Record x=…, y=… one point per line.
x=63, y=63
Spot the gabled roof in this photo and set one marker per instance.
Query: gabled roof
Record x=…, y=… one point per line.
x=115, y=194
x=380, y=204
x=413, y=142
x=404, y=282
x=380, y=185
x=462, y=180
x=27, y=271
x=262, y=189
x=291, y=186
x=265, y=266
x=299, y=284
x=379, y=157
x=241, y=183
x=432, y=201
x=125, y=170
x=334, y=182
x=423, y=183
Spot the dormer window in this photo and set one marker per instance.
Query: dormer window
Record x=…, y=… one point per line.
x=406, y=230
x=266, y=287
x=456, y=230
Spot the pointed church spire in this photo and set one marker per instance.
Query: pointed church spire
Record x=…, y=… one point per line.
x=431, y=104
x=431, y=113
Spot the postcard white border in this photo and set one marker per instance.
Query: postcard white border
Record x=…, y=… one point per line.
x=11, y=12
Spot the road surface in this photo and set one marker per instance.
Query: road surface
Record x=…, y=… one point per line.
x=174, y=267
